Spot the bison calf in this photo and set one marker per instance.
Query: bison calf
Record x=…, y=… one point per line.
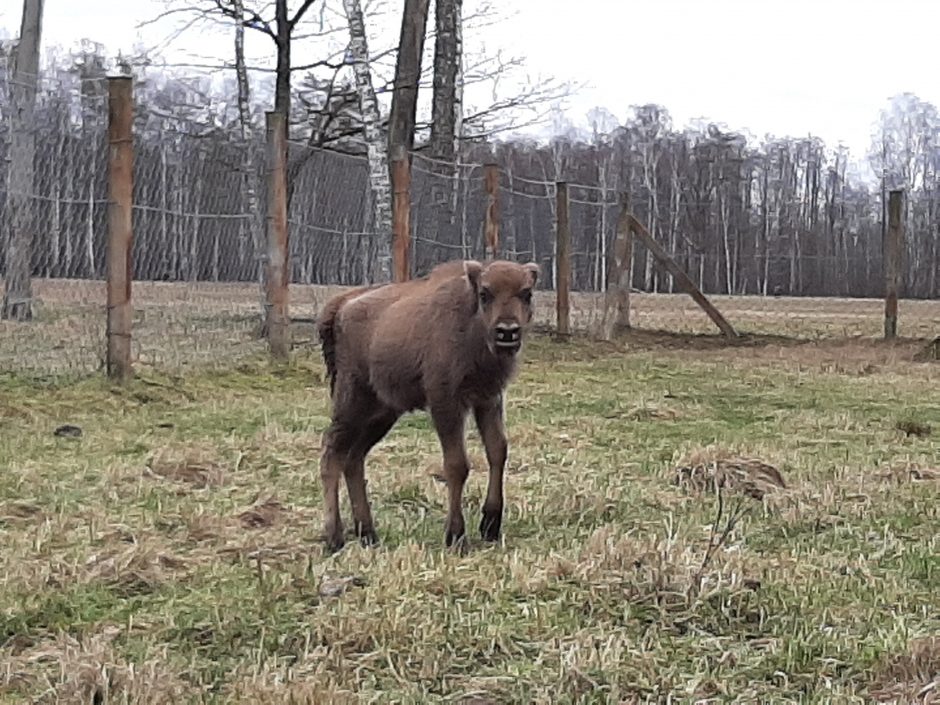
x=447, y=343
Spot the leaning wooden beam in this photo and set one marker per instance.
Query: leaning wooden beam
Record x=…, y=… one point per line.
x=669, y=264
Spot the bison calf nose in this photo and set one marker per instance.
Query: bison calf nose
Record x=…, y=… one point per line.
x=508, y=335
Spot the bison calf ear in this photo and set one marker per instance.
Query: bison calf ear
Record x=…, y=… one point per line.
x=533, y=269
x=473, y=270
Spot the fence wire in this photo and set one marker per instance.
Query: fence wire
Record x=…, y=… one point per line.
x=199, y=220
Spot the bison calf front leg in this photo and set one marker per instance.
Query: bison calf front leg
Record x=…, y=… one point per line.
x=449, y=424
x=489, y=420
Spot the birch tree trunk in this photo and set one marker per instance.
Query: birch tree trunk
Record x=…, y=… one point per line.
x=253, y=226
x=18, y=291
x=375, y=145
x=447, y=101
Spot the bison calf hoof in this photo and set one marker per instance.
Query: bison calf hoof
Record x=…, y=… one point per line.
x=367, y=536
x=490, y=525
x=455, y=540
x=334, y=544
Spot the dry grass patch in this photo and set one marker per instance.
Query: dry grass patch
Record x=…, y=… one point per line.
x=713, y=468
x=910, y=677
x=906, y=473
x=195, y=466
x=133, y=569
x=263, y=514
x=66, y=669
x=20, y=513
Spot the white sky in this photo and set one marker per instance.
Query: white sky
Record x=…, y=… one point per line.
x=788, y=67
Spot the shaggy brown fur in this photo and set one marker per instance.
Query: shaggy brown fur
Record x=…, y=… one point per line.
x=447, y=343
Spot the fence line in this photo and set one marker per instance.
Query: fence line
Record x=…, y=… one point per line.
x=200, y=246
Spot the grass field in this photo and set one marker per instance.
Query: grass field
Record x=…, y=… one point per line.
x=171, y=553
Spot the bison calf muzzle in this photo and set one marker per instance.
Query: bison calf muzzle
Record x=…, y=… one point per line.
x=446, y=343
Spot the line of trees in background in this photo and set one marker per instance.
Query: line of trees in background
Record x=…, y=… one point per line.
x=782, y=216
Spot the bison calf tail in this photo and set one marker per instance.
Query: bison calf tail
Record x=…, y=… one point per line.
x=326, y=330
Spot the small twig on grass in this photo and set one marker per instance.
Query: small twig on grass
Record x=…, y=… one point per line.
x=718, y=536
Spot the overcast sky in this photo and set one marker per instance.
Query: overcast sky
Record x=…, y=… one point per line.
x=787, y=67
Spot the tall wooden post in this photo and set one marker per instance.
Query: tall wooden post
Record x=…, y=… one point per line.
x=120, y=226
x=617, y=297
x=491, y=223
x=893, y=248
x=276, y=266
x=562, y=258
x=21, y=209
x=401, y=215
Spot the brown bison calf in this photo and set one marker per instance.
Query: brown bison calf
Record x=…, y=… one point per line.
x=446, y=342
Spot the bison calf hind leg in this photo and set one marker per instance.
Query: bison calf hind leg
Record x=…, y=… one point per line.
x=332, y=461
x=489, y=421
x=359, y=422
x=372, y=431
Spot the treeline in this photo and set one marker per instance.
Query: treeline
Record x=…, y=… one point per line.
x=783, y=216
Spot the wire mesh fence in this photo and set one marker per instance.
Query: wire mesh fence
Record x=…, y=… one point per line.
x=199, y=219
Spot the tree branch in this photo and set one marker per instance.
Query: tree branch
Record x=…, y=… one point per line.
x=299, y=14
x=252, y=20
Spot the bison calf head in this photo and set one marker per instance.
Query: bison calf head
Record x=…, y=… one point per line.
x=503, y=293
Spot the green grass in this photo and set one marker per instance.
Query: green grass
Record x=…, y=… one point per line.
x=172, y=553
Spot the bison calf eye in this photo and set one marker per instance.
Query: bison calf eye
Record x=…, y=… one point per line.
x=526, y=296
x=486, y=297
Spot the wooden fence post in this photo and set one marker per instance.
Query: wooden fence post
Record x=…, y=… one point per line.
x=120, y=270
x=617, y=297
x=401, y=215
x=893, y=249
x=276, y=266
x=491, y=224
x=562, y=258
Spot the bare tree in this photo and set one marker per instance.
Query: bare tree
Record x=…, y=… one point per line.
x=18, y=291
x=401, y=128
x=380, y=190
x=251, y=228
